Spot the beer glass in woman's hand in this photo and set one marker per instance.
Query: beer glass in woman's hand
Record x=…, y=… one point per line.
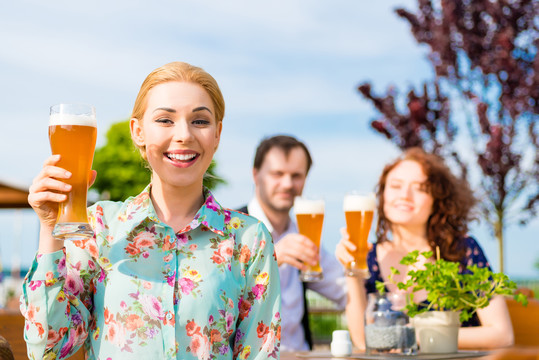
x=72, y=134
x=310, y=217
x=359, y=211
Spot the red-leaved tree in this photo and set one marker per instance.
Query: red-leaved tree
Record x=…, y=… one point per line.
x=485, y=89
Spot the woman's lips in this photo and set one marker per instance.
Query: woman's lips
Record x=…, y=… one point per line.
x=403, y=207
x=182, y=159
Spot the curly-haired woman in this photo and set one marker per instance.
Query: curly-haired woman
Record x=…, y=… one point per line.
x=423, y=206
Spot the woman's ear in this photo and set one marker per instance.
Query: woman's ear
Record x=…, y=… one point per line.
x=218, y=134
x=137, y=134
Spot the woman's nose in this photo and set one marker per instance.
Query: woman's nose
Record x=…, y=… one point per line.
x=182, y=131
x=406, y=192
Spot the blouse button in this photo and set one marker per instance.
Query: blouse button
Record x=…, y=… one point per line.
x=169, y=316
x=170, y=273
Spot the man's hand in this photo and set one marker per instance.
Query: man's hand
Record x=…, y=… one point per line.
x=296, y=250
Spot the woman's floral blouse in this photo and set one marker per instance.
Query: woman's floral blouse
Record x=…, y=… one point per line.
x=137, y=290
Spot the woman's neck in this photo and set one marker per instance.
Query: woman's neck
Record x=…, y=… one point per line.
x=176, y=206
x=408, y=239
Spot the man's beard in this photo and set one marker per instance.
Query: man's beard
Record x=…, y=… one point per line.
x=275, y=205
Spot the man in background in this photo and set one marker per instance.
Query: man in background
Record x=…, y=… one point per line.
x=280, y=169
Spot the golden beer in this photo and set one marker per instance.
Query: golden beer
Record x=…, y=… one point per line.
x=359, y=212
x=73, y=136
x=310, y=218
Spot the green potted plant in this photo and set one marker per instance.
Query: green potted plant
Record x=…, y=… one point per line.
x=451, y=298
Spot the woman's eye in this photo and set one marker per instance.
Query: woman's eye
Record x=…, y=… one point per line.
x=424, y=188
x=420, y=188
x=201, y=122
x=163, y=121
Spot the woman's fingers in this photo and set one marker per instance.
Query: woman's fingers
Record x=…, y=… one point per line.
x=93, y=175
x=50, y=170
x=48, y=187
x=49, y=184
x=343, y=254
x=350, y=246
x=39, y=198
x=345, y=240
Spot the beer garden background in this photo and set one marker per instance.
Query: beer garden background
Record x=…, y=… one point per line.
x=283, y=67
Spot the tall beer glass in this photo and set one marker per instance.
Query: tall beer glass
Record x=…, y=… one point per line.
x=310, y=217
x=359, y=211
x=72, y=134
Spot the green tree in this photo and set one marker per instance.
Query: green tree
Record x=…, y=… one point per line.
x=121, y=172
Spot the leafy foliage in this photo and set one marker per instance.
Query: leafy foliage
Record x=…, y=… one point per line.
x=121, y=172
x=447, y=289
x=484, y=56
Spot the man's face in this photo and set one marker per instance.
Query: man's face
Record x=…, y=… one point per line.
x=281, y=178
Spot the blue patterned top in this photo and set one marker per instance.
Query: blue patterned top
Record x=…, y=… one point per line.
x=138, y=290
x=474, y=255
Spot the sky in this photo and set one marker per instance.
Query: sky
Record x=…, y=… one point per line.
x=284, y=67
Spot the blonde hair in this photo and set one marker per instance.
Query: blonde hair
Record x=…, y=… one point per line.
x=178, y=71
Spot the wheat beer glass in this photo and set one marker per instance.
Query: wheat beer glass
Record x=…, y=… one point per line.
x=310, y=217
x=359, y=211
x=72, y=134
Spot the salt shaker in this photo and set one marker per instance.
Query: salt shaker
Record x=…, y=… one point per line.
x=341, y=346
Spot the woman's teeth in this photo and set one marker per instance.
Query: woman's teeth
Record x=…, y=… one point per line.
x=181, y=157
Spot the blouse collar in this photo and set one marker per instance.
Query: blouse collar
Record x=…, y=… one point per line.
x=211, y=215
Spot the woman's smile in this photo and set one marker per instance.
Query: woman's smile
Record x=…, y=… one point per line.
x=182, y=158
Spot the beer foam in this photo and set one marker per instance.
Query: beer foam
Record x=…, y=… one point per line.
x=307, y=206
x=69, y=119
x=355, y=202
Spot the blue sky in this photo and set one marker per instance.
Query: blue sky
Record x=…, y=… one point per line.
x=284, y=67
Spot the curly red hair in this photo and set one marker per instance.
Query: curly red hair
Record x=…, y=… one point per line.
x=447, y=225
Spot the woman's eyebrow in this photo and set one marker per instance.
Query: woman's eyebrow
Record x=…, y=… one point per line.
x=171, y=110
x=201, y=108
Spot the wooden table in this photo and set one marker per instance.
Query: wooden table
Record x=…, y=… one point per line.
x=514, y=353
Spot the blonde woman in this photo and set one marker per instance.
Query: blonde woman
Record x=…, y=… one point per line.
x=170, y=273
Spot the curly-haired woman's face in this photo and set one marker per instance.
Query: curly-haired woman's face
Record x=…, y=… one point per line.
x=406, y=199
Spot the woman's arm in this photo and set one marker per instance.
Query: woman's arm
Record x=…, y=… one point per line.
x=56, y=299
x=57, y=303
x=357, y=296
x=355, y=310
x=495, y=331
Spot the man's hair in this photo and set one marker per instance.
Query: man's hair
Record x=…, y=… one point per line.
x=283, y=142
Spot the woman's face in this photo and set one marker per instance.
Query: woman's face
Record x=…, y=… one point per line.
x=180, y=132
x=406, y=200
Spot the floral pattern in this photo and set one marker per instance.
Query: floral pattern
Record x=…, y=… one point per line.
x=210, y=291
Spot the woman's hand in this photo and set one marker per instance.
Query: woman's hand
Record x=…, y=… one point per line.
x=345, y=248
x=47, y=190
